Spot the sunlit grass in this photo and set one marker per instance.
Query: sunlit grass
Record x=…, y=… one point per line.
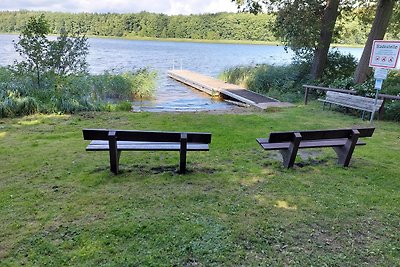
x=284, y=205
x=30, y=122
x=236, y=206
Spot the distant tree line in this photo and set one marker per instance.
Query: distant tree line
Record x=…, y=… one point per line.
x=219, y=26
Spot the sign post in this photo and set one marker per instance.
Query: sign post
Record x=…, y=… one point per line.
x=384, y=56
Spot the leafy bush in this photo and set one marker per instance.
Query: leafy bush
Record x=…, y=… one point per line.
x=12, y=104
x=339, y=66
x=70, y=94
x=129, y=85
x=124, y=106
x=26, y=106
x=282, y=82
x=392, y=110
x=142, y=83
x=121, y=106
x=6, y=110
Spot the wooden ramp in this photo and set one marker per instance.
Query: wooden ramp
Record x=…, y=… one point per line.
x=218, y=88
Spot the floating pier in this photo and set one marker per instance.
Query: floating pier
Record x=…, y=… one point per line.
x=230, y=92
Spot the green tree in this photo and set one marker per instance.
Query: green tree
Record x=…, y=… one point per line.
x=67, y=54
x=305, y=26
x=33, y=47
x=384, y=10
x=40, y=56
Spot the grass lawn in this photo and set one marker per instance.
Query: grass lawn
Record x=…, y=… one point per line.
x=236, y=206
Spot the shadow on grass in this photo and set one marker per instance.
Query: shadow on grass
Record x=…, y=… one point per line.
x=144, y=171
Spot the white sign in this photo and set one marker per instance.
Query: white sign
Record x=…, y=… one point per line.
x=385, y=54
x=378, y=84
x=381, y=73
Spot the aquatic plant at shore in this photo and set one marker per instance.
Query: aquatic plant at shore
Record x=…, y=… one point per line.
x=20, y=96
x=281, y=82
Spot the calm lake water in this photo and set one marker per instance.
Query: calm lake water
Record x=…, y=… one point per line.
x=120, y=55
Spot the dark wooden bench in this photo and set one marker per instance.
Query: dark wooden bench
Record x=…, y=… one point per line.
x=116, y=141
x=343, y=141
x=365, y=104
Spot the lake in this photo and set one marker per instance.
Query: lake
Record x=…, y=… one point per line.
x=118, y=55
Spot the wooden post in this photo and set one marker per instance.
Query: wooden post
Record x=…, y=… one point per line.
x=305, y=95
x=183, y=150
x=114, y=153
x=289, y=155
x=346, y=151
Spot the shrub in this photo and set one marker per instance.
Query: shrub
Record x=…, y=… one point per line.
x=339, y=66
x=6, y=110
x=129, y=85
x=73, y=93
x=392, y=110
x=12, y=104
x=238, y=75
x=27, y=106
x=124, y=106
x=282, y=82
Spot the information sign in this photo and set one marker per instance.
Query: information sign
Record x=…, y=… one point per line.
x=385, y=54
x=381, y=73
x=378, y=84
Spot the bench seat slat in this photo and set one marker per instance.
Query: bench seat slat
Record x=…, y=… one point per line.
x=305, y=144
x=352, y=101
x=98, y=145
x=146, y=136
x=365, y=108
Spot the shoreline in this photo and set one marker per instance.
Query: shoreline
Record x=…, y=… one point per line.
x=187, y=40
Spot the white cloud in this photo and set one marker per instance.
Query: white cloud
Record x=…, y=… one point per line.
x=171, y=7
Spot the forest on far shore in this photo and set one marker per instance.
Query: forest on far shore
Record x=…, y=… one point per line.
x=219, y=26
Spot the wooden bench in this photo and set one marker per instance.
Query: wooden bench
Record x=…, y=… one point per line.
x=343, y=141
x=365, y=104
x=116, y=141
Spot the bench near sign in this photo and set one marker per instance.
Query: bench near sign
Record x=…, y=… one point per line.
x=385, y=54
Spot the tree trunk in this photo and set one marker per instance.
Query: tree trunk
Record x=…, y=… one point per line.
x=383, y=13
x=327, y=26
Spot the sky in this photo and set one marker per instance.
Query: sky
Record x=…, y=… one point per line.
x=170, y=7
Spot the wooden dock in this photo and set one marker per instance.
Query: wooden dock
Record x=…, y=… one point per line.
x=218, y=88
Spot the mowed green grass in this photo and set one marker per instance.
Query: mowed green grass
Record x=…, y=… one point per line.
x=236, y=206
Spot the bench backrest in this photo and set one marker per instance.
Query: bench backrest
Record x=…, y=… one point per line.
x=146, y=136
x=278, y=137
x=361, y=102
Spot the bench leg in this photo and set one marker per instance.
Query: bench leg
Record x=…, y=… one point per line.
x=114, y=161
x=183, y=151
x=289, y=155
x=114, y=153
x=345, y=152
